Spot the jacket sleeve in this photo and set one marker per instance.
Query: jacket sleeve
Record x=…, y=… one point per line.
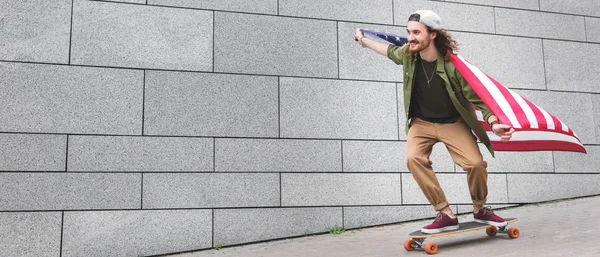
x=396, y=53
x=472, y=97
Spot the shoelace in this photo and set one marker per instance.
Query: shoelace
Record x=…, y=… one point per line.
x=487, y=210
x=439, y=216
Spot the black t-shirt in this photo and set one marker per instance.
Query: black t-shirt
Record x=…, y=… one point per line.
x=430, y=101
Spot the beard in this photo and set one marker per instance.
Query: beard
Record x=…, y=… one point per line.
x=420, y=45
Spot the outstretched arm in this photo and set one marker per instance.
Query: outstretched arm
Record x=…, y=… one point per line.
x=376, y=46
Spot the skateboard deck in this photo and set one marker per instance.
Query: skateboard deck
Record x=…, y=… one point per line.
x=418, y=237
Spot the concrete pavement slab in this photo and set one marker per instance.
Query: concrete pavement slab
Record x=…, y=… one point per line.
x=557, y=228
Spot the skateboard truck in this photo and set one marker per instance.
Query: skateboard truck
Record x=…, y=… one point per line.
x=416, y=243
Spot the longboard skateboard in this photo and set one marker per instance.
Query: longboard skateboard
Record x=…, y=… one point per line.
x=418, y=237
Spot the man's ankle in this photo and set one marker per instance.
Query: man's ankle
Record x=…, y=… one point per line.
x=446, y=210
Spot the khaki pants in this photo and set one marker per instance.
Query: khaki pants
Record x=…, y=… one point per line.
x=461, y=144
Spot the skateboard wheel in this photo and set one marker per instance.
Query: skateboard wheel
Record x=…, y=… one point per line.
x=431, y=248
x=408, y=245
x=514, y=233
x=491, y=231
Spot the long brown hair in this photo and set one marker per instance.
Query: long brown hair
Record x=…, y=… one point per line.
x=444, y=41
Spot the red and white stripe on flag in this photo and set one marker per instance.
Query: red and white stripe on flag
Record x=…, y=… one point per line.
x=535, y=129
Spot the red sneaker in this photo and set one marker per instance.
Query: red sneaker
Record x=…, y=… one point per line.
x=441, y=223
x=486, y=215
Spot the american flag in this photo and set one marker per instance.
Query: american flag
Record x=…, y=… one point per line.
x=535, y=129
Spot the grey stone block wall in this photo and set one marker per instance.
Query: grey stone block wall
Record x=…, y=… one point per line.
x=236, y=226
x=596, y=110
x=250, y=6
x=585, y=7
x=592, y=28
x=261, y=44
x=143, y=127
x=546, y=187
x=340, y=189
x=277, y=155
x=520, y=4
x=117, y=153
x=135, y=233
x=139, y=36
x=30, y=234
x=566, y=162
x=562, y=60
x=375, y=11
x=59, y=99
x=210, y=190
x=324, y=108
x=207, y=104
x=69, y=191
x=539, y=24
x=35, y=31
x=32, y=152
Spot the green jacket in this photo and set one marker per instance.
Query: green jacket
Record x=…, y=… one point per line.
x=462, y=95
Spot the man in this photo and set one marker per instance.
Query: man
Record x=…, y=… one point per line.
x=439, y=106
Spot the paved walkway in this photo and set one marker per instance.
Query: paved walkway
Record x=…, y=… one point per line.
x=562, y=228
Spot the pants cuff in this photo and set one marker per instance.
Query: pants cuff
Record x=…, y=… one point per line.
x=440, y=206
x=478, y=204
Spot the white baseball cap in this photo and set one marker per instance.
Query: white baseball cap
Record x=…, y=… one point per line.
x=428, y=18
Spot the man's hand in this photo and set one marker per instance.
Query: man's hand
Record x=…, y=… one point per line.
x=503, y=131
x=357, y=35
